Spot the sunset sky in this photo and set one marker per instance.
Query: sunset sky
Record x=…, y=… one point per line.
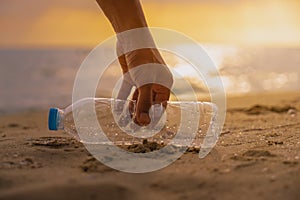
x=36, y=23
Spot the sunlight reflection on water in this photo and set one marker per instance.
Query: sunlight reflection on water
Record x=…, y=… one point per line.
x=39, y=78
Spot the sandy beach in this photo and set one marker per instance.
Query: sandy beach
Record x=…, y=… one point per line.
x=51, y=49
x=257, y=157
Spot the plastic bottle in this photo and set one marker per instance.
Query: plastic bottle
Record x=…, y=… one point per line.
x=194, y=122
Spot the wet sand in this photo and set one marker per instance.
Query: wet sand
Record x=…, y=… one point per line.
x=257, y=157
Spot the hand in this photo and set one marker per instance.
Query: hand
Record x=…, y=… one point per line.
x=144, y=69
x=128, y=15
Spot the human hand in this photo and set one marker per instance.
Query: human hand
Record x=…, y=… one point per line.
x=146, y=70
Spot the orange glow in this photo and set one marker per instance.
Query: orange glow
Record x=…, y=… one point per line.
x=72, y=27
x=239, y=22
x=247, y=22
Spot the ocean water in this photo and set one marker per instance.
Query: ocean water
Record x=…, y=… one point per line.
x=35, y=79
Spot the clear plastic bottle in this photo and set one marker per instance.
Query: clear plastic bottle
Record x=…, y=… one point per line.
x=107, y=120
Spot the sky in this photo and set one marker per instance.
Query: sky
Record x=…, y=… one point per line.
x=48, y=23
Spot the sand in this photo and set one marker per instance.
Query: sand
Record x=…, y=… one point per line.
x=257, y=157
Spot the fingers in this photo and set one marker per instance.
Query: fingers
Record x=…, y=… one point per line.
x=124, y=91
x=127, y=83
x=161, y=95
x=133, y=102
x=133, y=75
x=144, y=103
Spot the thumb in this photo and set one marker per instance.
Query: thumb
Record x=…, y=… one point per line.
x=144, y=103
x=125, y=88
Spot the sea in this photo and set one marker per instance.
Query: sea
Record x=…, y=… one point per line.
x=34, y=79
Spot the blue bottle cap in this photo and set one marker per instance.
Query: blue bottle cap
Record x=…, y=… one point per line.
x=53, y=119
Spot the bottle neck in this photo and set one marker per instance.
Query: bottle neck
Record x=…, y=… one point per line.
x=60, y=119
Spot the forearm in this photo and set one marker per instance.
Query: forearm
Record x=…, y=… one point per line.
x=136, y=48
x=123, y=14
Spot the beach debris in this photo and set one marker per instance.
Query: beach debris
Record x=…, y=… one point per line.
x=150, y=146
x=54, y=142
x=274, y=142
x=144, y=148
